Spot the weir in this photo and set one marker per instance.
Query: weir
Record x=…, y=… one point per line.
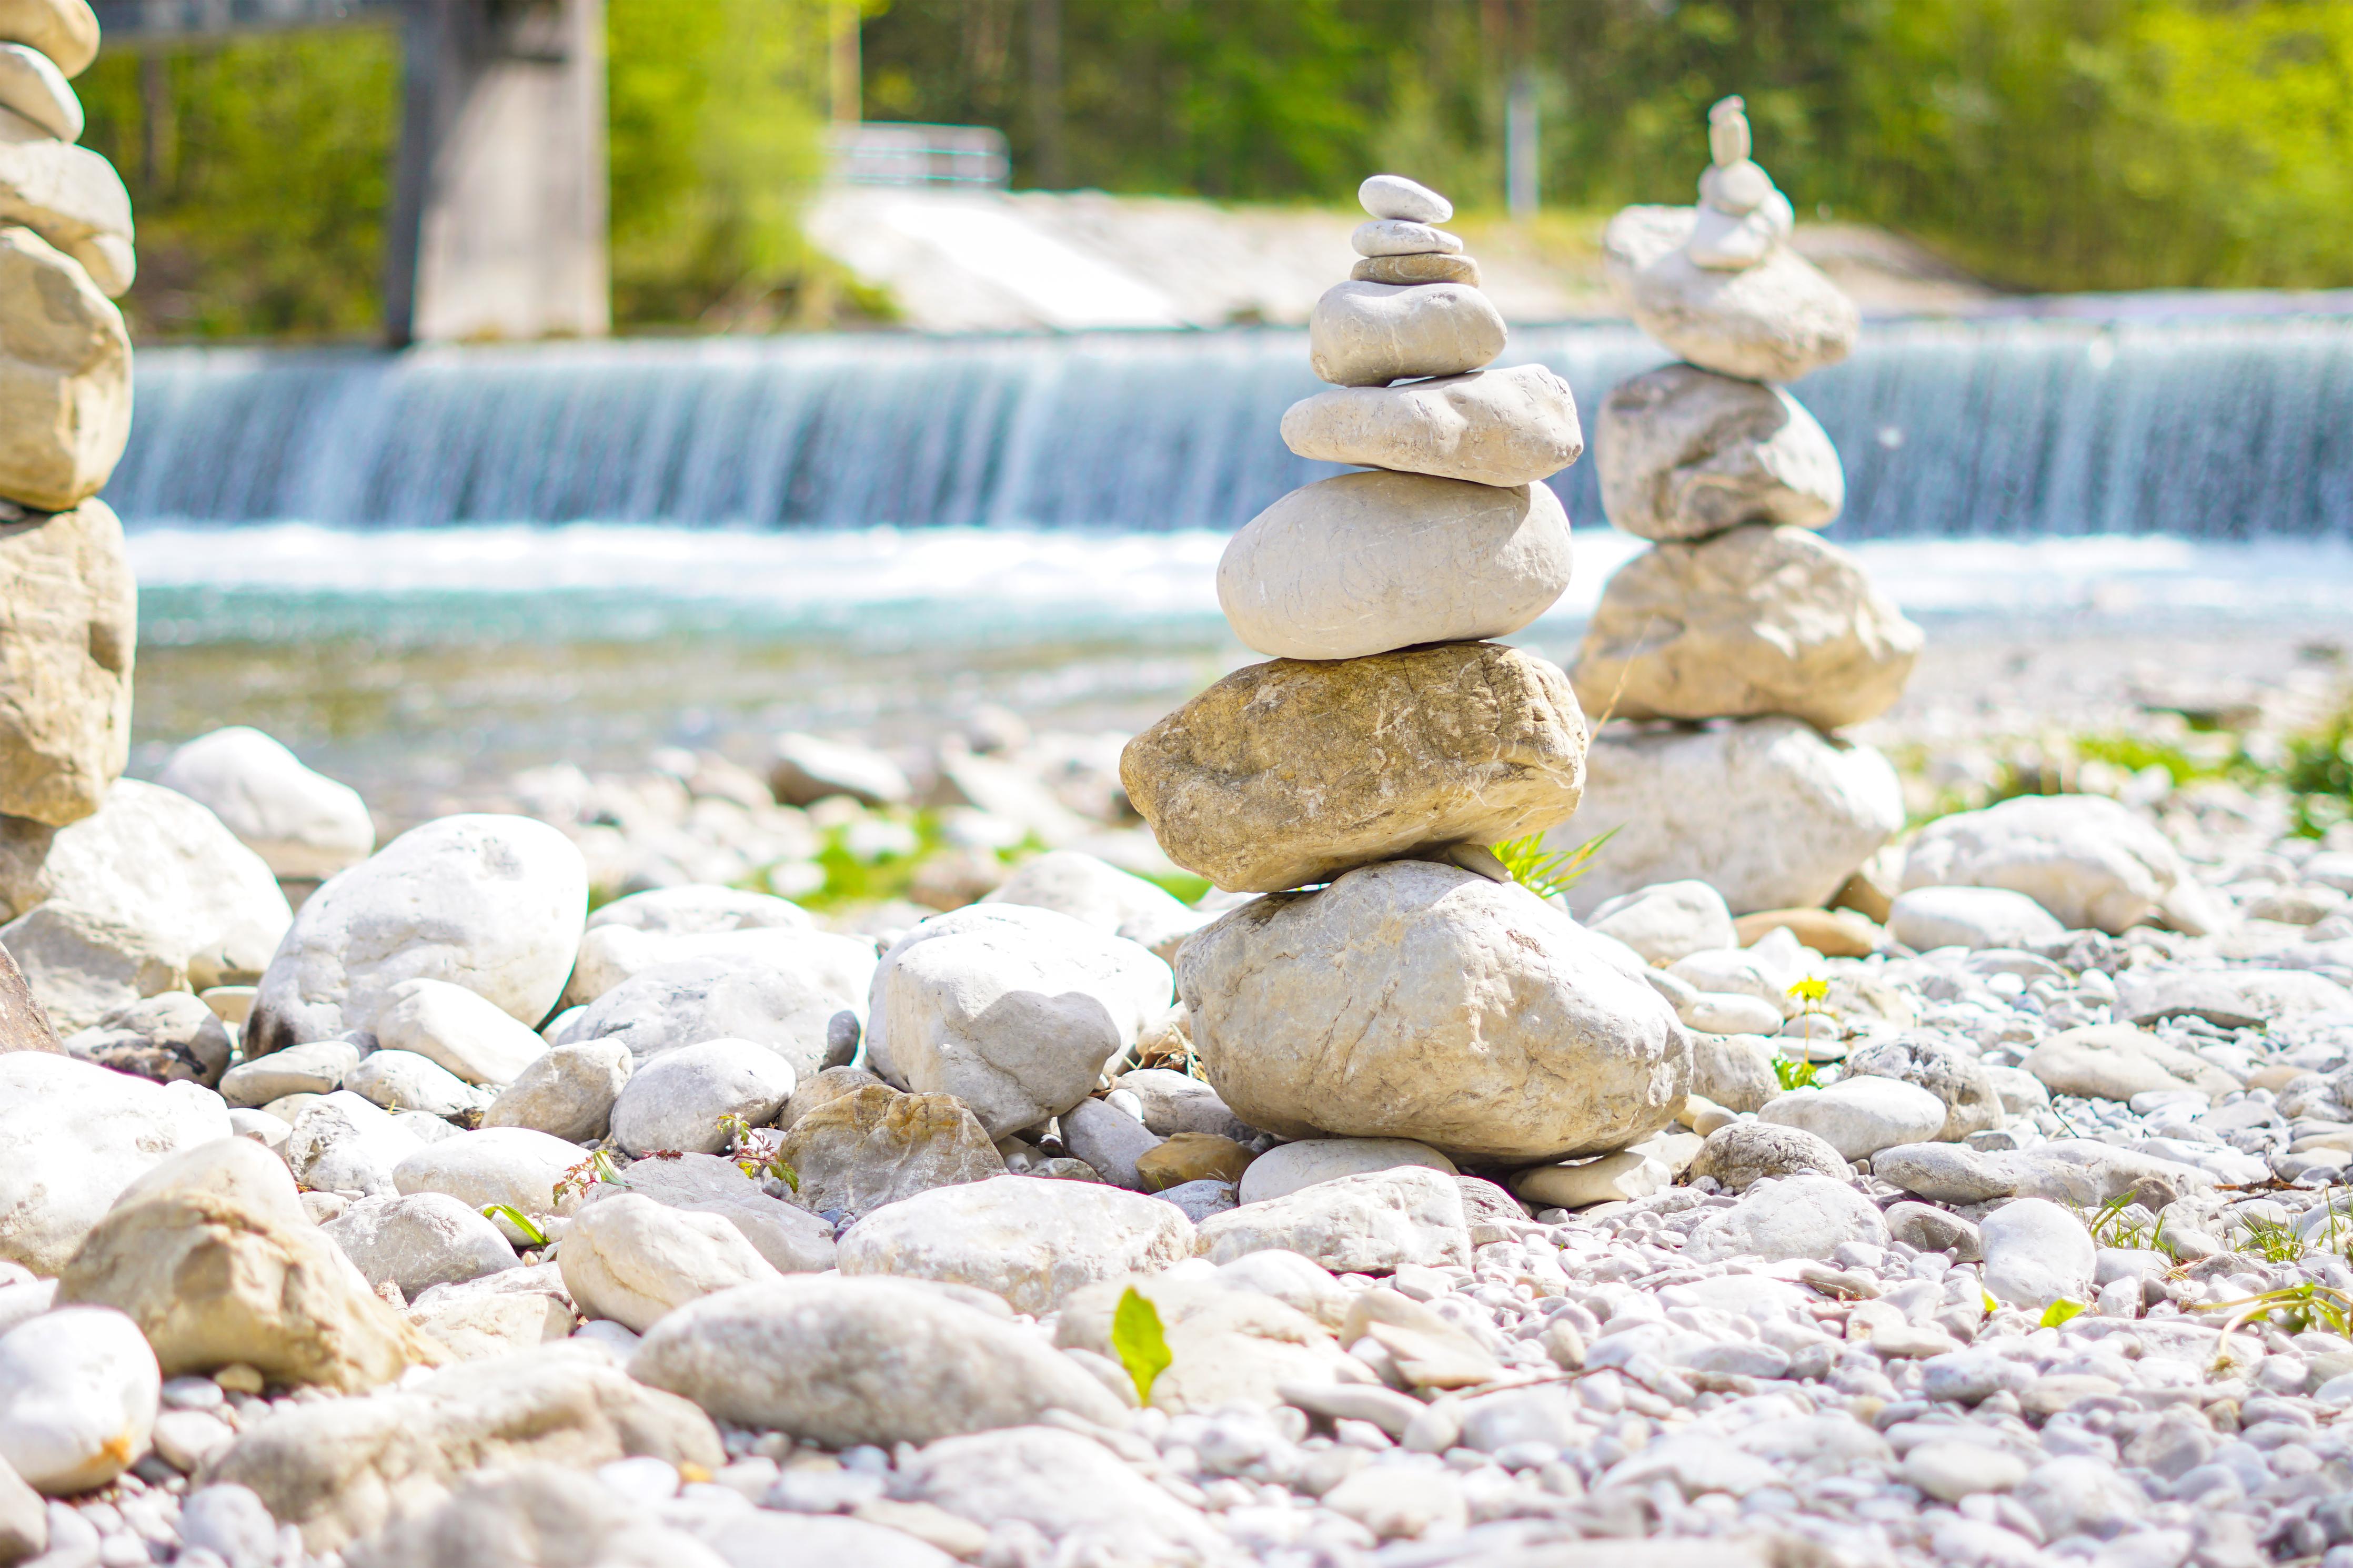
x=2206, y=429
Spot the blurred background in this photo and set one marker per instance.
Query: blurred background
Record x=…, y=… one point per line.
x=537, y=379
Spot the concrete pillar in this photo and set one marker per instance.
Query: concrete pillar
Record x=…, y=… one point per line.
x=500, y=219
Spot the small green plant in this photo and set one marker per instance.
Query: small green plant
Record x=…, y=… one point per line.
x=1137, y=1340
x=1548, y=875
x=598, y=1167
x=517, y=1219
x=2062, y=1311
x=1793, y=1073
x=2110, y=1227
x=2272, y=1241
x=754, y=1154
x=2299, y=1308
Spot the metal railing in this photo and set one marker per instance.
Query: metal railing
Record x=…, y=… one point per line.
x=889, y=153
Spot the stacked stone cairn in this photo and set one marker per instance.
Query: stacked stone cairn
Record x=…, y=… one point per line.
x=1740, y=617
x=67, y=604
x=1414, y=990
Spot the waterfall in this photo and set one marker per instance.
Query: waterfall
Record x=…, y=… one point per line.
x=2221, y=430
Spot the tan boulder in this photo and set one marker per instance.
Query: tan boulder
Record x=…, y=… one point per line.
x=1757, y=621
x=1431, y=267
x=1294, y=771
x=65, y=30
x=875, y=1146
x=65, y=378
x=23, y=1027
x=211, y=1255
x=68, y=622
x=1414, y=1000
x=71, y=197
x=342, y=1468
x=1184, y=1157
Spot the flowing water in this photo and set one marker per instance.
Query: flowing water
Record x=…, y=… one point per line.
x=432, y=566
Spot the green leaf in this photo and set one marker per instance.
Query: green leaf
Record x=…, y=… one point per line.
x=784, y=1173
x=517, y=1219
x=1793, y=1074
x=2061, y=1311
x=1548, y=875
x=1136, y=1340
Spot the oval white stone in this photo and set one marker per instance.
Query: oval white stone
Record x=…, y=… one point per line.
x=1510, y=427
x=1394, y=195
x=1369, y=335
x=1368, y=562
x=1393, y=236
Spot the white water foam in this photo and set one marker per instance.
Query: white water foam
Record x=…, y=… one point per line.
x=1040, y=578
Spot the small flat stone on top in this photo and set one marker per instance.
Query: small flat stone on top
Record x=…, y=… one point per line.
x=1394, y=195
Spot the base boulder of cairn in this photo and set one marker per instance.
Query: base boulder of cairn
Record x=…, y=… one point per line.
x=1414, y=1000
x=1769, y=812
x=1291, y=772
x=68, y=623
x=1758, y=620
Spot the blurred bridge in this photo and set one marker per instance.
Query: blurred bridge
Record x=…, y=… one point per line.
x=499, y=223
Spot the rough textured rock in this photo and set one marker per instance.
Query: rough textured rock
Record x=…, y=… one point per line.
x=783, y=991
x=540, y=1515
x=632, y=1261
x=511, y=1166
x=156, y=864
x=1064, y=1488
x=1375, y=1222
x=418, y=1242
x=2117, y=1062
x=1667, y=921
x=492, y=903
x=1031, y=1241
x=1177, y=1102
x=461, y=1030
x=2232, y=998
x=72, y=198
x=791, y=1239
x=1776, y=321
x=862, y=1360
x=1514, y=426
x=77, y=1398
x=341, y=1469
x=72, y=1137
x=568, y=1093
x=1369, y=563
x=875, y=1146
x=1945, y=1068
x=1757, y=621
x=300, y=822
x=64, y=30
x=64, y=375
x=1287, y=1167
x=678, y=1100
x=23, y=1027
x=2088, y=860
x=82, y=965
x=211, y=1255
x=1369, y=335
x=1745, y=1152
x=341, y=1143
x=405, y=1081
x=1012, y=1009
x=1683, y=454
x=1413, y=999
x=69, y=621
x=1294, y=771
x=1929, y=917
x=166, y=1037
x=1769, y=812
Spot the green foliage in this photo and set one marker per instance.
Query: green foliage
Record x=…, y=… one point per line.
x=2047, y=143
x=1548, y=875
x=261, y=173
x=2272, y=1241
x=752, y=1153
x=2318, y=773
x=517, y=1219
x=2062, y=1311
x=2298, y=1308
x=1136, y=1339
x=1792, y=1073
x=598, y=1167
